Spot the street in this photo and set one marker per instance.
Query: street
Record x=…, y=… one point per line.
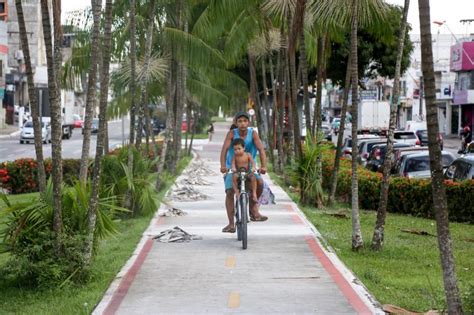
x=11, y=149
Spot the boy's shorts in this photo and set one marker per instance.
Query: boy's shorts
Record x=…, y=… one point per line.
x=228, y=180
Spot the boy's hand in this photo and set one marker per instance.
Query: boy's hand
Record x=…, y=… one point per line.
x=263, y=170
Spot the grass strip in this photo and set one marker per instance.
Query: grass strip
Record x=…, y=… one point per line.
x=407, y=272
x=81, y=299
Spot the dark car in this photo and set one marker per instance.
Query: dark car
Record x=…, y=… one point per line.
x=423, y=137
x=158, y=126
x=461, y=169
x=377, y=156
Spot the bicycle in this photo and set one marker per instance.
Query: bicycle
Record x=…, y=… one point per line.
x=242, y=208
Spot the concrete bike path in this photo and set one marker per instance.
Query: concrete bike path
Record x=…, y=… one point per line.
x=285, y=269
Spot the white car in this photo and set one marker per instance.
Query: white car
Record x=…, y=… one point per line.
x=27, y=133
x=407, y=137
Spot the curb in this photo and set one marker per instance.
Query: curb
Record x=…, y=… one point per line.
x=11, y=135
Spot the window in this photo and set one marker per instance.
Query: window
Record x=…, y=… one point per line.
x=3, y=10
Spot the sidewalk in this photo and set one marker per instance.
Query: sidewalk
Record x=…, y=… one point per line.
x=9, y=132
x=285, y=269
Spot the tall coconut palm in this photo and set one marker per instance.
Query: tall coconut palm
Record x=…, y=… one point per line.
x=304, y=81
x=91, y=91
x=378, y=236
x=56, y=124
x=296, y=29
x=357, y=241
x=32, y=96
x=104, y=92
x=437, y=184
x=144, y=110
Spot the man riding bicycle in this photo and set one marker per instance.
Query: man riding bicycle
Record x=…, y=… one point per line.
x=252, y=145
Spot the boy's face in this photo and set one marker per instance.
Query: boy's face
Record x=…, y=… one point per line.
x=238, y=150
x=242, y=123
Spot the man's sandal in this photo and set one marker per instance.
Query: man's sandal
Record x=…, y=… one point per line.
x=260, y=218
x=229, y=229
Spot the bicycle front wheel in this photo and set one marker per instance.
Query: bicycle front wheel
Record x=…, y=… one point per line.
x=243, y=219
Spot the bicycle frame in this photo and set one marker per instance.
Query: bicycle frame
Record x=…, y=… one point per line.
x=242, y=209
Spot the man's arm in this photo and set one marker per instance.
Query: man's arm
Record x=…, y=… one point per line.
x=261, y=151
x=224, y=150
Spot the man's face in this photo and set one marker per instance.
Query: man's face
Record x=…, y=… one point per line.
x=238, y=150
x=242, y=123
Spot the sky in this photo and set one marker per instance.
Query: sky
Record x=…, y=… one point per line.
x=450, y=11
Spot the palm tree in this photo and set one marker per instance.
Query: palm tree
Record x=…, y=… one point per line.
x=56, y=125
x=104, y=92
x=378, y=236
x=91, y=91
x=32, y=96
x=143, y=95
x=357, y=241
x=437, y=184
x=296, y=29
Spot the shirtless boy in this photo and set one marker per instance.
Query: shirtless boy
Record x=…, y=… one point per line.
x=243, y=160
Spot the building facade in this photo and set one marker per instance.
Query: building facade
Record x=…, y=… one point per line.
x=462, y=63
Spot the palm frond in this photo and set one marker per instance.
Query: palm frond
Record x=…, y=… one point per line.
x=207, y=95
x=192, y=50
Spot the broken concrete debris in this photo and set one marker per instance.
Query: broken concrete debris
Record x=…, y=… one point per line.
x=187, y=193
x=198, y=168
x=176, y=235
x=173, y=212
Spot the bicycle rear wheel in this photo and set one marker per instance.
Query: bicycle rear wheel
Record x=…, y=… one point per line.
x=243, y=219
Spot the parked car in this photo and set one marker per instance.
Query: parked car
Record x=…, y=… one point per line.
x=336, y=122
x=347, y=146
x=417, y=165
x=365, y=146
x=399, y=153
x=94, y=126
x=423, y=137
x=27, y=133
x=78, y=121
x=408, y=137
x=461, y=169
x=377, y=156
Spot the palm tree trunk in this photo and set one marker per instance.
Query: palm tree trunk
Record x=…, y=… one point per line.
x=32, y=96
x=357, y=241
x=296, y=29
x=193, y=129
x=58, y=36
x=144, y=78
x=254, y=85
x=104, y=88
x=56, y=124
x=267, y=115
x=272, y=118
x=290, y=147
x=318, y=120
x=340, y=135
x=378, y=236
x=91, y=91
x=282, y=84
x=133, y=60
x=304, y=79
x=437, y=183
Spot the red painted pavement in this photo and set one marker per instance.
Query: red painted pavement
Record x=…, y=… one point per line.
x=338, y=278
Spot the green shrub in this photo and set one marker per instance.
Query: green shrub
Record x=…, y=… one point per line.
x=117, y=180
x=408, y=196
x=21, y=176
x=28, y=236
